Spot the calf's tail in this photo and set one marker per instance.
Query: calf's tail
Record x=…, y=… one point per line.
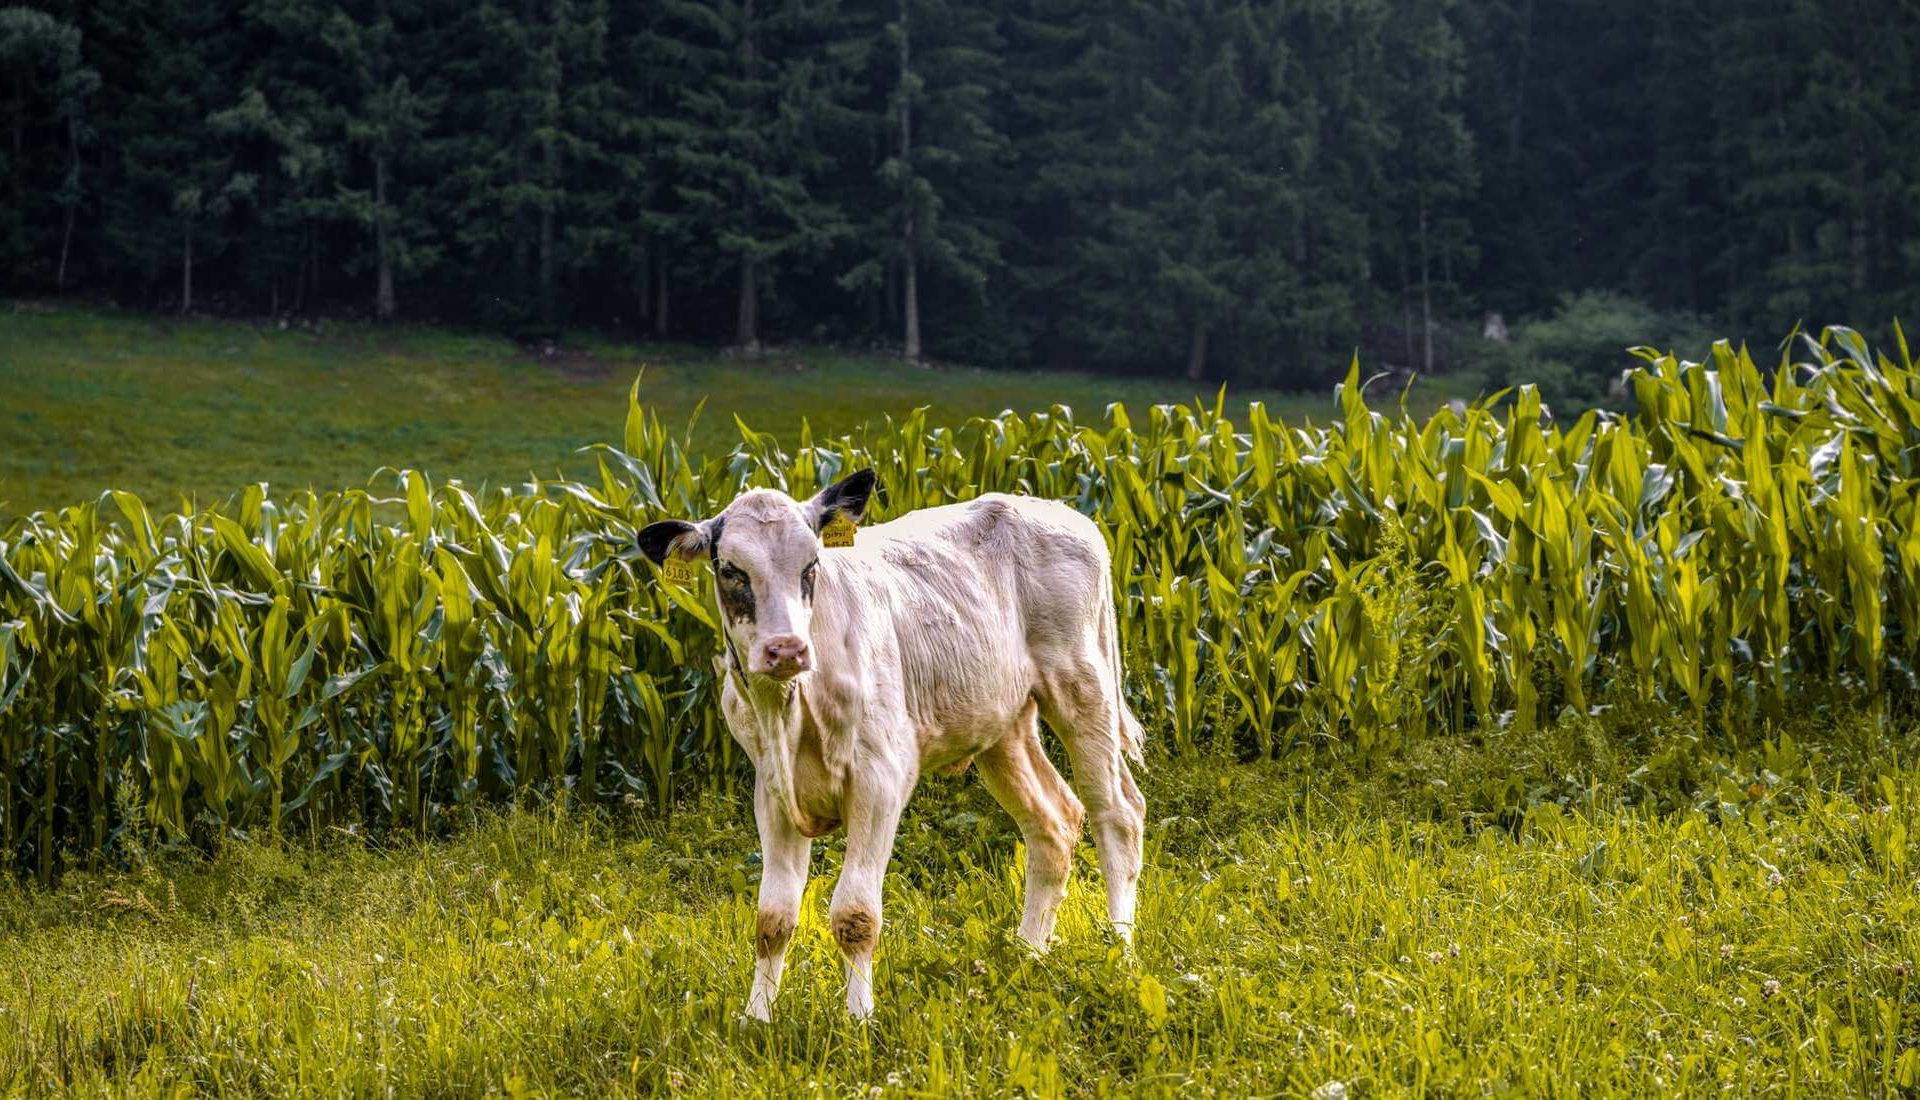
x=1132, y=738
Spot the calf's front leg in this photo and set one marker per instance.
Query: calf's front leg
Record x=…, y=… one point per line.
x=873, y=817
x=784, y=852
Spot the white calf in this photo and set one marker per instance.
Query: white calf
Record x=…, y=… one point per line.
x=939, y=639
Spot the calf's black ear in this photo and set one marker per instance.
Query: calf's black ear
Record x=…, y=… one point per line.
x=672, y=536
x=847, y=497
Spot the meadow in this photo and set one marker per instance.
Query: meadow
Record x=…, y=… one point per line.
x=1488, y=754
x=1301, y=933
x=167, y=407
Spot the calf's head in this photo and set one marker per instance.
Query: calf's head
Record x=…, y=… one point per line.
x=765, y=548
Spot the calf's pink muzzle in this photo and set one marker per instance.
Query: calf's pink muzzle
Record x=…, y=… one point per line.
x=785, y=656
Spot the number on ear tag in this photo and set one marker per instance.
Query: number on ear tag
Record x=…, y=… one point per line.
x=838, y=531
x=677, y=570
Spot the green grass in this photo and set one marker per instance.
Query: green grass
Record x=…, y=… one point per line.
x=1608, y=906
x=1395, y=933
x=166, y=406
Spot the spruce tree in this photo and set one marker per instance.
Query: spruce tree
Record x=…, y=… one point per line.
x=46, y=96
x=279, y=157
x=1431, y=175
x=942, y=62
x=537, y=180
x=175, y=185
x=766, y=109
x=385, y=121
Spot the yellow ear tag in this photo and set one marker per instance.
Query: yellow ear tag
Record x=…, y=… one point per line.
x=677, y=570
x=838, y=531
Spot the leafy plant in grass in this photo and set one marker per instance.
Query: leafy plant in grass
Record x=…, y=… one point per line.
x=1743, y=547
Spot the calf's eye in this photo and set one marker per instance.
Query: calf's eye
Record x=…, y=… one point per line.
x=736, y=592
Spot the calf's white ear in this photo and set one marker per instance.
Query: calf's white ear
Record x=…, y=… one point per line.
x=675, y=537
x=847, y=497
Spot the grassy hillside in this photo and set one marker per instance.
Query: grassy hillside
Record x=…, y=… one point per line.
x=164, y=406
x=1297, y=930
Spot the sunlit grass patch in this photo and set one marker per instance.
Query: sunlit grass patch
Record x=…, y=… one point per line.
x=1297, y=930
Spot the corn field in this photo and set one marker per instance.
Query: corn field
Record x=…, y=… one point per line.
x=1743, y=544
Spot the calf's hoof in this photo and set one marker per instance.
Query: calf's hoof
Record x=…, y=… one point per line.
x=860, y=1004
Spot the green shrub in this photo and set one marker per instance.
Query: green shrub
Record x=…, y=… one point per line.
x=1578, y=355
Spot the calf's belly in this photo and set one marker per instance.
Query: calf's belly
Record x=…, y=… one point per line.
x=965, y=690
x=949, y=743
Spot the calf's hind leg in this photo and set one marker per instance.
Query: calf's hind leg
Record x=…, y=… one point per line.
x=1029, y=788
x=1082, y=703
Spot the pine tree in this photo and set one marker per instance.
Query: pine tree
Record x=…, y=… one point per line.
x=46, y=95
x=293, y=112
x=767, y=100
x=385, y=120
x=658, y=233
x=1342, y=171
x=532, y=194
x=1827, y=176
x=175, y=183
x=1204, y=196
x=1431, y=174
x=1676, y=246
x=942, y=140
x=1236, y=187
x=1058, y=67
x=279, y=165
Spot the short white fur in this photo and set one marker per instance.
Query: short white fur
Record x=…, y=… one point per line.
x=938, y=640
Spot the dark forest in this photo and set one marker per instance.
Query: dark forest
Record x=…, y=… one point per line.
x=1233, y=189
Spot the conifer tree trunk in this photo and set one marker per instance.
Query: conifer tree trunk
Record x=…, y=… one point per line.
x=1406, y=305
x=550, y=156
x=309, y=272
x=186, y=265
x=1426, y=293
x=747, y=333
x=383, y=303
x=66, y=246
x=1197, y=353
x=1515, y=124
x=66, y=229
x=661, y=301
x=910, y=285
x=1858, y=225
x=747, y=330
x=643, y=287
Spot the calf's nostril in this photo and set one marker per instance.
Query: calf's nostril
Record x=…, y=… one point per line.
x=785, y=651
